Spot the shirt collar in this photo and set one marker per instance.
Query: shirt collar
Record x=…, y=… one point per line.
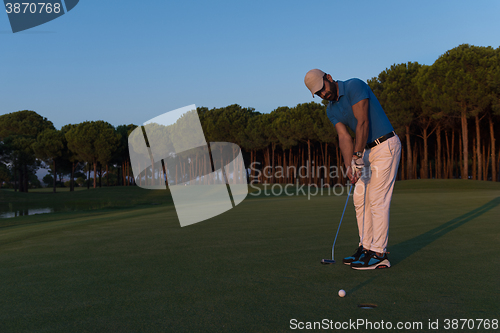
x=341, y=92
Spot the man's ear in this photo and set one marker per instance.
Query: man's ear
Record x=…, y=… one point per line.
x=329, y=77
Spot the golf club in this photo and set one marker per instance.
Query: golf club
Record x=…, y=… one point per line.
x=332, y=261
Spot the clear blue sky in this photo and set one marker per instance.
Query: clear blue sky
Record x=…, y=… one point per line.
x=128, y=61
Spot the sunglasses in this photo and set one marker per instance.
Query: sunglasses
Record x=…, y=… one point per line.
x=320, y=92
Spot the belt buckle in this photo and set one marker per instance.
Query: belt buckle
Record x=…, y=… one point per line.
x=378, y=141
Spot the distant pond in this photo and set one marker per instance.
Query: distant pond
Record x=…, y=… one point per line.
x=24, y=212
x=10, y=210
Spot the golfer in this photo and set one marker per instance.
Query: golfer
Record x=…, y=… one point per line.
x=372, y=160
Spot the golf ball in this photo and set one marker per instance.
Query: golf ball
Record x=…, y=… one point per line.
x=341, y=292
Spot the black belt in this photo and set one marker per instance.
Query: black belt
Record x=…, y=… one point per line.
x=380, y=140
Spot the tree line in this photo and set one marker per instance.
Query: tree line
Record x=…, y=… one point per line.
x=446, y=114
x=27, y=139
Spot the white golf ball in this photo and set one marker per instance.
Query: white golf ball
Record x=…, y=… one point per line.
x=341, y=292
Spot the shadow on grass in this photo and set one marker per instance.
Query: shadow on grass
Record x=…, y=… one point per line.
x=361, y=285
x=405, y=249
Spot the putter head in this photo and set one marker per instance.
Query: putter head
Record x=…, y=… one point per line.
x=327, y=261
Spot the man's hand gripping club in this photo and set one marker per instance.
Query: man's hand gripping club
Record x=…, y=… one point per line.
x=356, y=169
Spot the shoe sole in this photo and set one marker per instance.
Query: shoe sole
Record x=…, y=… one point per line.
x=381, y=265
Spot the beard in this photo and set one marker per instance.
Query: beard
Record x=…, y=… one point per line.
x=331, y=96
x=332, y=93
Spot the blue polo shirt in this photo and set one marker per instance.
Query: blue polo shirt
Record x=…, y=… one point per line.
x=351, y=92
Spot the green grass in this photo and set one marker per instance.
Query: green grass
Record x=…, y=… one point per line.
x=81, y=200
x=131, y=268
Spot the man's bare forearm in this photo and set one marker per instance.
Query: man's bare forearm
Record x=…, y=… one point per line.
x=360, y=110
x=361, y=135
x=346, y=147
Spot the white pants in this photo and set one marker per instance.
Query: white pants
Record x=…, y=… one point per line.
x=373, y=194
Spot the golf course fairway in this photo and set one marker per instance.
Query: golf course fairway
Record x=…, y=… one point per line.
x=127, y=266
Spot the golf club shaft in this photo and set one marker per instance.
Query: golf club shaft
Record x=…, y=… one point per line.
x=347, y=200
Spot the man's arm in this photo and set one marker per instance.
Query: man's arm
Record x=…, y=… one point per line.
x=345, y=143
x=360, y=110
x=346, y=147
